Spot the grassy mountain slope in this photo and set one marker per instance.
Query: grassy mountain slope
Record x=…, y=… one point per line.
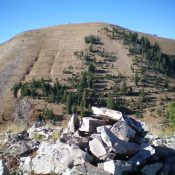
x=50, y=52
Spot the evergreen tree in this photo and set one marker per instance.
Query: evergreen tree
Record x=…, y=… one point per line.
x=69, y=103
x=110, y=102
x=84, y=99
x=91, y=68
x=81, y=109
x=142, y=96
x=124, y=87
x=136, y=78
x=64, y=97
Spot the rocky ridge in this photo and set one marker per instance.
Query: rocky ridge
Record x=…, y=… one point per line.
x=105, y=143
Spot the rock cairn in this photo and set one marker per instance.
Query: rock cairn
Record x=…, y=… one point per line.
x=105, y=143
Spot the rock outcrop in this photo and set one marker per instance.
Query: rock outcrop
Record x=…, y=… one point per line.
x=92, y=146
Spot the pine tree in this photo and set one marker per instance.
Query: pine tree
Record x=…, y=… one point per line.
x=110, y=102
x=81, y=109
x=84, y=99
x=69, y=103
x=124, y=87
x=136, y=78
x=142, y=96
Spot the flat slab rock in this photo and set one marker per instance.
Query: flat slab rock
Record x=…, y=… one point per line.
x=54, y=158
x=90, y=124
x=115, y=115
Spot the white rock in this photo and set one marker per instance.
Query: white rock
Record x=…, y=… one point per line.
x=3, y=169
x=115, y=115
x=97, y=148
x=117, y=167
x=90, y=124
x=55, y=158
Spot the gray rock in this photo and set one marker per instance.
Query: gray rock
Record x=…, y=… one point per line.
x=115, y=115
x=120, y=147
x=151, y=169
x=140, y=127
x=168, y=142
x=3, y=169
x=57, y=157
x=19, y=148
x=123, y=131
x=140, y=157
x=85, y=169
x=74, y=123
x=97, y=148
x=90, y=124
x=108, y=137
x=117, y=167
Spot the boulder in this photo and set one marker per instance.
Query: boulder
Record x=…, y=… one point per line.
x=115, y=115
x=85, y=169
x=108, y=137
x=123, y=131
x=22, y=147
x=151, y=169
x=90, y=124
x=117, y=167
x=74, y=123
x=120, y=147
x=3, y=169
x=57, y=156
x=140, y=127
x=141, y=157
x=97, y=148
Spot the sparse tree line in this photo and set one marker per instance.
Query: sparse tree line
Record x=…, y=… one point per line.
x=156, y=59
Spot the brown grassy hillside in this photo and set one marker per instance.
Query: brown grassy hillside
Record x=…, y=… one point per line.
x=48, y=52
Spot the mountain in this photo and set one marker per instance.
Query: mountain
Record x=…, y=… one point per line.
x=54, y=53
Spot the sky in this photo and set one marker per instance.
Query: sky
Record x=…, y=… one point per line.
x=149, y=16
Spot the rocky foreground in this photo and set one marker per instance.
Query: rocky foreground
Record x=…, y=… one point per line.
x=105, y=143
